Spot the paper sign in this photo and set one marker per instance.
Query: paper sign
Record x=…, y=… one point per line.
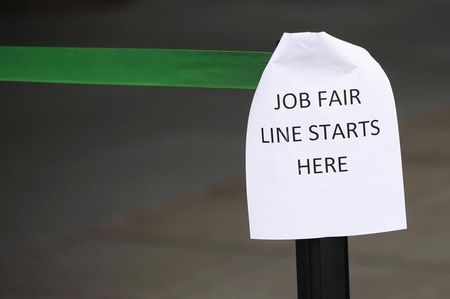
x=323, y=153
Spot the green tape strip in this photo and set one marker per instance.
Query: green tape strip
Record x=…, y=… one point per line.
x=144, y=67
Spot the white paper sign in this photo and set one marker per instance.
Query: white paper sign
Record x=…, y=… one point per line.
x=323, y=153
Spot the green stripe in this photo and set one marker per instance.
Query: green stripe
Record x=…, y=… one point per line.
x=144, y=67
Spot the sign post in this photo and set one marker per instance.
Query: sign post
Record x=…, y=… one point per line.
x=323, y=157
x=322, y=268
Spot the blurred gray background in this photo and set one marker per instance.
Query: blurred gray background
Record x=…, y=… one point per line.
x=84, y=165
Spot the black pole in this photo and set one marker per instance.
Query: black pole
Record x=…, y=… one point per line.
x=322, y=268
